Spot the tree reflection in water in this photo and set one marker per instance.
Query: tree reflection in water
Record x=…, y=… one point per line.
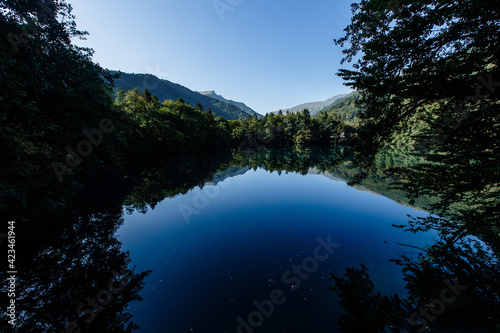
x=461, y=178
x=68, y=254
x=465, y=255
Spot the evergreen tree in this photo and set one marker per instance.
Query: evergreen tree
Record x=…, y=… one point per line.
x=198, y=107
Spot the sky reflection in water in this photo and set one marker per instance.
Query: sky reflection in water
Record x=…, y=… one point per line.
x=251, y=229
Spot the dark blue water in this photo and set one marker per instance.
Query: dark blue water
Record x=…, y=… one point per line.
x=259, y=238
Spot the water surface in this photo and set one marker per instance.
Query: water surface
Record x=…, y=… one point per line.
x=217, y=249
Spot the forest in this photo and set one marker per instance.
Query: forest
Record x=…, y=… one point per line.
x=407, y=115
x=424, y=124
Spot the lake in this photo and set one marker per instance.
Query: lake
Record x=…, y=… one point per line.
x=269, y=241
x=253, y=250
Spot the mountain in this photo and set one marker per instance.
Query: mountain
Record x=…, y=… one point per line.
x=240, y=105
x=165, y=89
x=345, y=108
x=313, y=107
x=230, y=172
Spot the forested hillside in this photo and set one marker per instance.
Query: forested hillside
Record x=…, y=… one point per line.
x=166, y=90
x=345, y=108
x=313, y=107
x=240, y=105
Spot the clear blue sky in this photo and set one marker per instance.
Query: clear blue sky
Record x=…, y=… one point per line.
x=267, y=54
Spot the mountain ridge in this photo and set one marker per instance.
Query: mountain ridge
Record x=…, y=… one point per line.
x=167, y=90
x=241, y=105
x=313, y=107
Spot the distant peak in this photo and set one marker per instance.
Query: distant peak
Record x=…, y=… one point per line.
x=208, y=92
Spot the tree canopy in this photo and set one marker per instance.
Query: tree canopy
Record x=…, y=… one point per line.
x=426, y=75
x=416, y=54
x=427, y=72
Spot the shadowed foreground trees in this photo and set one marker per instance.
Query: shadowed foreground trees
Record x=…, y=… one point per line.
x=417, y=58
x=426, y=79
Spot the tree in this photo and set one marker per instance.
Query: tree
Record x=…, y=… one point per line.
x=289, y=128
x=198, y=107
x=50, y=92
x=427, y=73
x=429, y=67
x=417, y=54
x=146, y=95
x=209, y=114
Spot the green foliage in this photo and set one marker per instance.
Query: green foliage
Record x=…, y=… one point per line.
x=426, y=81
x=287, y=130
x=429, y=107
x=418, y=54
x=346, y=109
x=54, y=102
x=50, y=91
x=226, y=110
x=170, y=127
x=166, y=90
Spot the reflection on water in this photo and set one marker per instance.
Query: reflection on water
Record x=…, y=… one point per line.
x=242, y=242
x=253, y=242
x=73, y=273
